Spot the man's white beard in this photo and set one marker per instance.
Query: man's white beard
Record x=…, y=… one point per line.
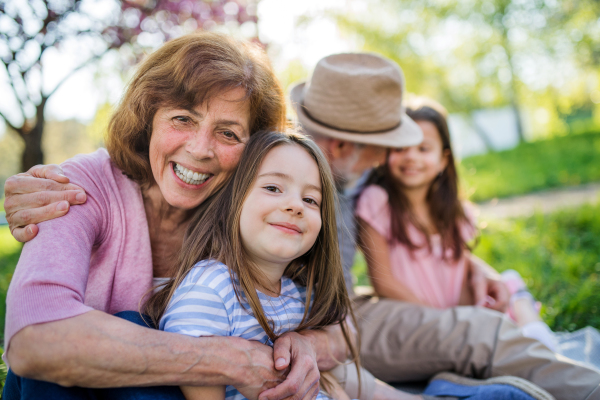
x=344, y=172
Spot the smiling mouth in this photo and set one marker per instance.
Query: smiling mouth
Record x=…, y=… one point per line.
x=188, y=176
x=290, y=228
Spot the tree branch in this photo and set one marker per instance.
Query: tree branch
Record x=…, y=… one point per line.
x=84, y=64
x=12, y=85
x=11, y=126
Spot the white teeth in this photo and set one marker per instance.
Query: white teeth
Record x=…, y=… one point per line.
x=189, y=176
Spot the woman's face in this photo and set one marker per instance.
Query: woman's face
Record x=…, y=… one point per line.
x=194, y=151
x=417, y=166
x=281, y=216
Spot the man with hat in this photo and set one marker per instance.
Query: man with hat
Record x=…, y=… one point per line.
x=352, y=107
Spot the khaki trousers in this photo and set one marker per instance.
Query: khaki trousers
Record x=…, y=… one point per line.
x=402, y=342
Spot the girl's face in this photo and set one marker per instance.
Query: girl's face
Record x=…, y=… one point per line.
x=417, y=166
x=281, y=216
x=193, y=152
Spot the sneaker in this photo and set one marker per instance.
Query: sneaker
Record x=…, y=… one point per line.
x=449, y=386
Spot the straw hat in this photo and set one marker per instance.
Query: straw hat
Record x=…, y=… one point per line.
x=358, y=98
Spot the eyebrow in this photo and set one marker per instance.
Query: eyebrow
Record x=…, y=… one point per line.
x=289, y=178
x=221, y=121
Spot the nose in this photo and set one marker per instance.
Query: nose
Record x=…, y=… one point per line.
x=201, y=143
x=410, y=152
x=295, y=205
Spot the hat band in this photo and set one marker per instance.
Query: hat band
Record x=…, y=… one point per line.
x=347, y=130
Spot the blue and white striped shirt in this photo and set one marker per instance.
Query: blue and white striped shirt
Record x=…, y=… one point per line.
x=205, y=304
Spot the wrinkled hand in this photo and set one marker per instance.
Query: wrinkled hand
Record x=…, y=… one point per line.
x=40, y=194
x=295, y=351
x=489, y=291
x=258, y=372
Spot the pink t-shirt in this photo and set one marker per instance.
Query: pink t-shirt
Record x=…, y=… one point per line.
x=434, y=280
x=98, y=256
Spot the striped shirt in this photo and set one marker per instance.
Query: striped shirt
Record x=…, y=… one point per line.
x=205, y=304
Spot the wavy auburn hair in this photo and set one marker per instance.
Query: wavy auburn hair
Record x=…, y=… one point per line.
x=185, y=73
x=444, y=204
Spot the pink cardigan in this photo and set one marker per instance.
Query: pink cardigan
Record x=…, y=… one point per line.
x=98, y=256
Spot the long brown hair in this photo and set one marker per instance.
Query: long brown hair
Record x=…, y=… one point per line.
x=214, y=233
x=184, y=73
x=445, y=206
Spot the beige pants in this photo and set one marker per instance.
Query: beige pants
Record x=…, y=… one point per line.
x=403, y=342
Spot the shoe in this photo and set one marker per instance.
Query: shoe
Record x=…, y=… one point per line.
x=447, y=385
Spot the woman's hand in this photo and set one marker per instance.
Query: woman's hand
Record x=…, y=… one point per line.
x=296, y=352
x=40, y=194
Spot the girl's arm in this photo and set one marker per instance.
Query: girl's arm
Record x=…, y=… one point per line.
x=203, y=392
x=377, y=254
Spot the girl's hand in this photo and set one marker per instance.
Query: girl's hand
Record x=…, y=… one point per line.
x=488, y=289
x=40, y=194
x=296, y=352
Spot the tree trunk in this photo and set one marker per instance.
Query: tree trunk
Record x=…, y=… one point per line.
x=33, y=154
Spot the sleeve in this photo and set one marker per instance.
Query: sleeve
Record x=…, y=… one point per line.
x=197, y=309
x=373, y=208
x=51, y=276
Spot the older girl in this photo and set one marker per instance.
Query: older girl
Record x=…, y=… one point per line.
x=415, y=231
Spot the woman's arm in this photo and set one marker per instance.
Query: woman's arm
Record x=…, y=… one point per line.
x=40, y=194
x=376, y=250
x=95, y=349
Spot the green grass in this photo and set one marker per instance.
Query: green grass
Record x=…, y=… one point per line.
x=558, y=256
x=561, y=161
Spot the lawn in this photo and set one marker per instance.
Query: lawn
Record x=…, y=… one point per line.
x=558, y=255
x=562, y=161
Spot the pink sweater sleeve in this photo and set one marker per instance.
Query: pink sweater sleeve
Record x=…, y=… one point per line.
x=52, y=273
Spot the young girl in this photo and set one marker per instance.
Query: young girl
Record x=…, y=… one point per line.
x=262, y=258
x=415, y=231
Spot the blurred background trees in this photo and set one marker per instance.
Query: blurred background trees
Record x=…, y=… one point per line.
x=44, y=42
x=539, y=56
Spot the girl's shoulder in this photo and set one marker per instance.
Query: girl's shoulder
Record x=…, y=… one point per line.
x=208, y=273
x=374, y=194
x=373, y=208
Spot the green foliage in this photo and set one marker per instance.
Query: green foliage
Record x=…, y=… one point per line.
x=562, y=161
x=489, y=53
x=558, y=256
x=10, y=250
x=3, y=371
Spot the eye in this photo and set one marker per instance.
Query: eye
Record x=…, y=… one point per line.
x=230, y=135
x=272, y=188
x=181, y=118
x=310, y=201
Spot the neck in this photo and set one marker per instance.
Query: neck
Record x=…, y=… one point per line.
x=273, y=272
x=417, y=197
x=156, y=207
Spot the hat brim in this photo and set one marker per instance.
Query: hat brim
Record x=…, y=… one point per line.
x=407, y=134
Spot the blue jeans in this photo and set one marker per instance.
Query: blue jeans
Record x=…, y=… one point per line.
x=17, y=388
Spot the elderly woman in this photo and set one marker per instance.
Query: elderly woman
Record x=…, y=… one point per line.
x=175, y=138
